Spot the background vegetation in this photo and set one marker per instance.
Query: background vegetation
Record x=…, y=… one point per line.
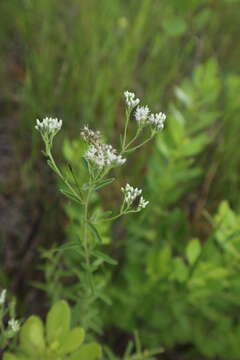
x=177, y=280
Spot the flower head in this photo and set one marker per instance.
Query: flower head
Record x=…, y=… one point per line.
x=157, y=120
x=142, y=203
x=100, y=153
x=131, y=99
x=3, y=296
x=89, y=135
x=141, y=114
x=130, y=193
x=48, y=128
x=130, y=196
x=14, y=325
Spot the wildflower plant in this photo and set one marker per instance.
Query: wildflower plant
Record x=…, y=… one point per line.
x=98, y=160
x=9, y=325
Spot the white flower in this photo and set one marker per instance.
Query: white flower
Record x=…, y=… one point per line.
x=104, y=155
x=49, y=126
x=89, y=135
x=14, y=325
x=99, y=153
x=157, y=120
x=131, y=99
x=131, y=194
x=142, y=203
x=141, y=114
x=3, y=296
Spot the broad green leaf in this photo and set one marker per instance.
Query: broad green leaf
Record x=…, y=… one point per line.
x=58, y=321
x=183, y=96
x=164, y=260
x=193, y=251
x=72, y=341
x=180, y=270
x=176, y=127
x=176, y=26
x=191, y=147
x=32, y=336
x=90, y=351
x=104, y=257
x=8, y=356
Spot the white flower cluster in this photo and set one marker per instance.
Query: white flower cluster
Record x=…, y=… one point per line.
x=49, y=126
x=142, y=113
x=131, y=194
x=131, y=99
x=99, y=153
x=104, y=155
x=157, y=120
x=3, y=296
x=14, y=325
x=143, y=117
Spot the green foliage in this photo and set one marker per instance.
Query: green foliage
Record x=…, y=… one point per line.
x=197, y=291
x=54, y=341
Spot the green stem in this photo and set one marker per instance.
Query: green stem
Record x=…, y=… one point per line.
x=85, y=240
x=113, y=217
x=133, y=139
x=125, y=130
x=140, y=145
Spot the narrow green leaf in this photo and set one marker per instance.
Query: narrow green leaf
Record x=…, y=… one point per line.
x=69, y=246
x=70, y=196
x=102, y=183
x=193, y=251
x=95, y=232
x=50, y=164
x=85, y=163
x=104, y=257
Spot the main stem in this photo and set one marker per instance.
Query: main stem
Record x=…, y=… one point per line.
x=85, y=241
